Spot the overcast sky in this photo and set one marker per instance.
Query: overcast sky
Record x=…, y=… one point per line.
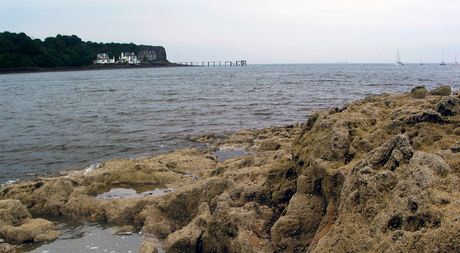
x=259, y=31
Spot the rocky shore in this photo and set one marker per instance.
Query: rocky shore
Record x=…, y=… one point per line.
x=377, y=175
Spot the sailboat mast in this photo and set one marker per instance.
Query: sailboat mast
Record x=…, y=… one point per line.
x=398, y=58
x=442, y=61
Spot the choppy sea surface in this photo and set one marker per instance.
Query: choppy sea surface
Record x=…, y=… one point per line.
x=51, y=122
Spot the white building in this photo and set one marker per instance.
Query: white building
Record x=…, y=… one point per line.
x=104, y=59
x=128, y=57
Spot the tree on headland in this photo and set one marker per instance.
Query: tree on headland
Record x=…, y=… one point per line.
x=17, y=50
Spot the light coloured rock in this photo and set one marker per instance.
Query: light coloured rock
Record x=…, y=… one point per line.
x=148, y=247
x=48, y=236
x=269, y=145
x=239, y=229
x=7, y=248
x=187, y=239
x=13, y=212
x=29, y=230
x=184, y=240
x=298, y=227
x=125, y=230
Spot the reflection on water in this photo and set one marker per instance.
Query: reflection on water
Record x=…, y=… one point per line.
x=128, y=193
x=81, y=236
x=228, y=154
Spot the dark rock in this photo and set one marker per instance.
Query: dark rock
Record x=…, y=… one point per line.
x=205, y=138
x=449, y=106
x=429, y=115
x=456, y=147
x=419, y=92
x=442, y=91
x=389, y=155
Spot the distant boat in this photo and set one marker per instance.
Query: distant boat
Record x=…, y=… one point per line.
x=398, y=58
x=442, y=61
x=456, y=63
x=421, y=63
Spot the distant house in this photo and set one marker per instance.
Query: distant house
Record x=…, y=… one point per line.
x=104, y=59
x=150, y=55
x=128, y=57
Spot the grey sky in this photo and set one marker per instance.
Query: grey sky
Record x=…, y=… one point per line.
x=268, y=31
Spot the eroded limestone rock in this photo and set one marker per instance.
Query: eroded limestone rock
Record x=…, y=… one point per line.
x=449, y=106
x=37, y=230
x=7, y=248
x=442, y=91
x=148, y=247
x=419, y=92
x=13, y=212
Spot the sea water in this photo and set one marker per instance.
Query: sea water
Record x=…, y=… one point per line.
x=50, y=122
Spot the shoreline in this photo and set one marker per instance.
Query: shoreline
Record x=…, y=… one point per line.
x=86, y=68
x=387, y=166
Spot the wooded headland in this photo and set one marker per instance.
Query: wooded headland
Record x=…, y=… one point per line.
x=21, y=52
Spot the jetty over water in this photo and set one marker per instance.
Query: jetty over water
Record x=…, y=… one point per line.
x=214, y=63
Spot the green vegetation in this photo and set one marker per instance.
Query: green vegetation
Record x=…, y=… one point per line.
x=17, y=50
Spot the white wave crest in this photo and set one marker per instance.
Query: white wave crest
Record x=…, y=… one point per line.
x=10, y=182
x=92, y=167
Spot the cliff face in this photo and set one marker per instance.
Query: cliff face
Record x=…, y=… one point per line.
x=378, y=175
x=161, y=53
x=159, y=50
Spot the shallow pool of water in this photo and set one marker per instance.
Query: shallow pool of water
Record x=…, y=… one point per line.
x=135, y=192
x=118, y=191
x=83, y=236
x=223, y=155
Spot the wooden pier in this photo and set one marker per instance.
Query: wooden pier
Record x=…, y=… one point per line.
x=214, y=63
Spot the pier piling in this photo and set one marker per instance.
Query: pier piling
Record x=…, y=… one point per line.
x=214, y=63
